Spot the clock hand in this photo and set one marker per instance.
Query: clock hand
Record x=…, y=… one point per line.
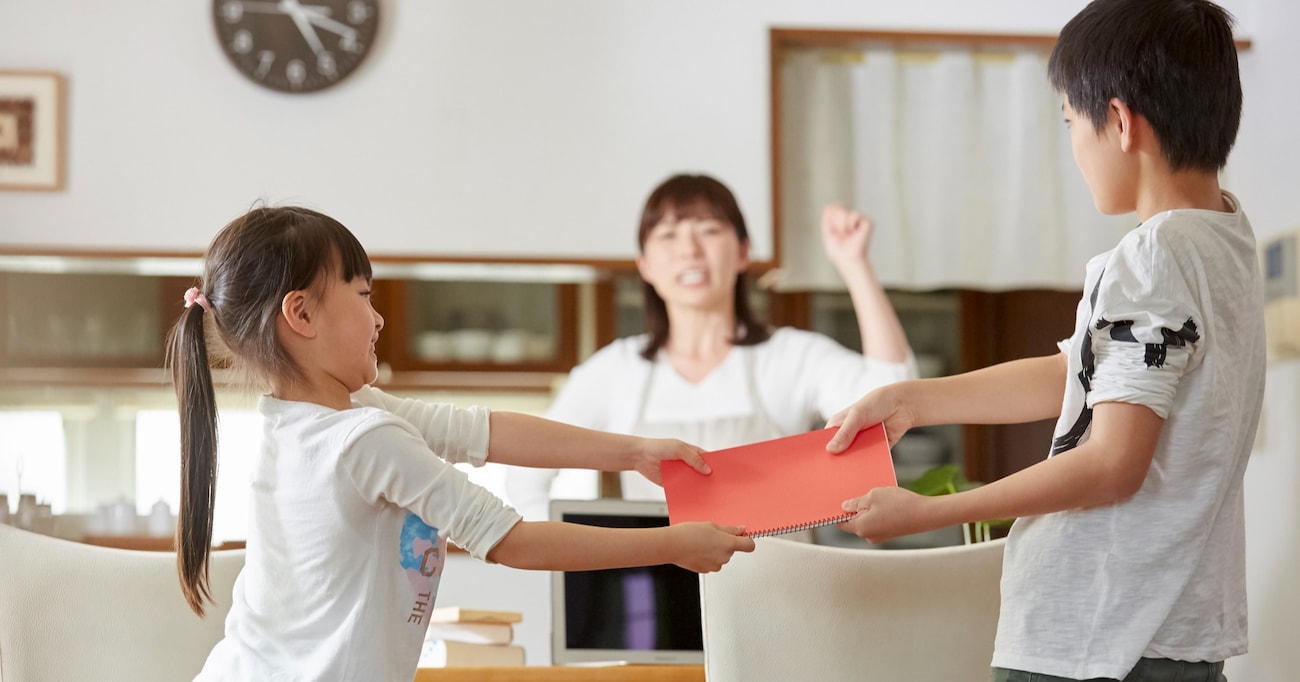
x=275, y=8
x=301, y=20
x=269, y=7
x=328, y=24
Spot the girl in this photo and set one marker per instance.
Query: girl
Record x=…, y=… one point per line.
x=354, y=492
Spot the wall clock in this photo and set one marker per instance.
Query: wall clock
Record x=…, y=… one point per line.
x=294, y=46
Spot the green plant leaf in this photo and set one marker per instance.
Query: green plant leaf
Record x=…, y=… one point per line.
x=938, y=480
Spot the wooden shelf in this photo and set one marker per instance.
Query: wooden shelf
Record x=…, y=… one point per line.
x=124, y=377
x=613, y=673
x=499, y=381
x=85, y=377
x=148, y=543
x=45, y=336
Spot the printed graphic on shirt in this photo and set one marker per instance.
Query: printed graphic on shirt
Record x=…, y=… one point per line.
x=1154, y=356
x=1088, y=365
x=1156, y=353
x=422, y=554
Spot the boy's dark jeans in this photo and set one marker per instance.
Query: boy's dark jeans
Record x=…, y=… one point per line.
x=1147, y=670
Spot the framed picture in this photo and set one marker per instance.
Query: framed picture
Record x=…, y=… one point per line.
x=31, y=130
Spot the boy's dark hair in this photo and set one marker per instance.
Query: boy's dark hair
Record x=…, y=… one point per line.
x=695, y=196
x=1172, y=61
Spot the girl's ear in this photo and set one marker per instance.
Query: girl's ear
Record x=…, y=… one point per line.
x=294, y=311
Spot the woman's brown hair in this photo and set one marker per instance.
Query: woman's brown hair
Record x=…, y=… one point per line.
x=696, y=196
x=251, y=265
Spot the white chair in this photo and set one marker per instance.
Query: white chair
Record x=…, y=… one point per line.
x=795, y=611
x=70, y=611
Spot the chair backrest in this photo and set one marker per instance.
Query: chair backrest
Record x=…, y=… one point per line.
x=797, y=611
x=70, y=611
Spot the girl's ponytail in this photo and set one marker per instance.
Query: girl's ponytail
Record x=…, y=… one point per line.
x=192, y=376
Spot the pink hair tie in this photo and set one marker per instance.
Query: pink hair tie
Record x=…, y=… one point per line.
x=195, y=296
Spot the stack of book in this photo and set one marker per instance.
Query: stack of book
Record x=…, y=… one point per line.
x=471, y=638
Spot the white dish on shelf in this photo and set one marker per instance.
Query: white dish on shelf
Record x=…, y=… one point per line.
x=510, y=346
x=433, y=346
x=472, y=345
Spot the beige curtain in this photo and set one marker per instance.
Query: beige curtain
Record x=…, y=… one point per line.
x=961, y=157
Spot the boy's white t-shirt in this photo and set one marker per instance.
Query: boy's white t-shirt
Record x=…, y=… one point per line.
x=1171, y=319
x=349, y=520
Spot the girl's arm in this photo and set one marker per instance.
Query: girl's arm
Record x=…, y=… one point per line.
x=456, y=434
x=556, y=546
x=525, y=440
x=583, y=400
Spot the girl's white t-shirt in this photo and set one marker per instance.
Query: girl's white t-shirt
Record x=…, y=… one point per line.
x=350, y=515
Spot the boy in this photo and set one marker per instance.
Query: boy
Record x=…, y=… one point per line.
x=1127, y=561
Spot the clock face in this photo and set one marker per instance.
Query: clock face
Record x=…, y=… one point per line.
x=294, y=46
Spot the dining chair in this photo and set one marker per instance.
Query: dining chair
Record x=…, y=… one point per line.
x=797, y=611
x=73, y=611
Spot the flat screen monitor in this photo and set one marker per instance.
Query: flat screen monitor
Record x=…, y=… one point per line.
x=627, y=615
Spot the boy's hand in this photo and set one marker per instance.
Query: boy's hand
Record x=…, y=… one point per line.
x=886, y=513
x=704, y=547
x=655, y=450
x=884, y=405
x=846, y=235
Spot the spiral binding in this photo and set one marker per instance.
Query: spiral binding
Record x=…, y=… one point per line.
x=781, y=530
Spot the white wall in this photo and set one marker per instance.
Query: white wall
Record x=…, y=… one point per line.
x=536, y=129
x=476, y=127
x=1264, y=177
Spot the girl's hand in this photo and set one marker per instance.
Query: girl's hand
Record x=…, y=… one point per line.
x=704, y=547
x=655, y=450
x=886, y=513
x=846, y=236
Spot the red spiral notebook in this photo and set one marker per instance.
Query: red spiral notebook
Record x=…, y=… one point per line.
x=780, y=485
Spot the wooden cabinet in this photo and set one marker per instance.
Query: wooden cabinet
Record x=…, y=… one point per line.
x=1002, y=326
x=110, y=328
x=85, y=321
x=477, y=335
x=477, y=326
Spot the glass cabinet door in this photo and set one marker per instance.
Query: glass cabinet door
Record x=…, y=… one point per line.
x=71, y=320
x=477, y=326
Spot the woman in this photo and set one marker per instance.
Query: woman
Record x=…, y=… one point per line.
x=709, y=372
